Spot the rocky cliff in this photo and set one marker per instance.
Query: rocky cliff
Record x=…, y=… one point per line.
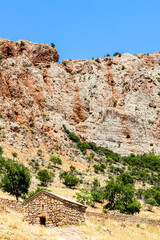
x=114, y=102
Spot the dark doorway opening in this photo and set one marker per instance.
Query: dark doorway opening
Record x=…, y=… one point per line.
x=43, y=221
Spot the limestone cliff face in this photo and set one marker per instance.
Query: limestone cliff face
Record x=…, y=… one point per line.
x=114, y=102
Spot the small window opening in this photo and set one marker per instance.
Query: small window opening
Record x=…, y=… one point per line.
x=43, y=221
x=128, y=136
x=42, y=207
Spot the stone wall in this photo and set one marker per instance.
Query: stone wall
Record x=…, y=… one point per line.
x=125, y=218
x=55, y=211
x=13, y=204
x=58, y=213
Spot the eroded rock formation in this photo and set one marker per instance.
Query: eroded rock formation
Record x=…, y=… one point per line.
x=114, y=102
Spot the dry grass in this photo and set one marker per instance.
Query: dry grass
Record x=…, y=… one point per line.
x=6, y=195
x=13, y=227
x=65, y=192
x=97, y=230
x=155, y=213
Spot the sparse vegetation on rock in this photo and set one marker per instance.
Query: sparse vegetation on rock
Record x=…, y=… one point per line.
x=56, y=160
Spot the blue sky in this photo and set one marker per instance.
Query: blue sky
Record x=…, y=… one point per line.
x=86, y=28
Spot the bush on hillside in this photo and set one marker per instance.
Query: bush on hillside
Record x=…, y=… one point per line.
x=70, y=180
x=55, y=160
x=44, y=176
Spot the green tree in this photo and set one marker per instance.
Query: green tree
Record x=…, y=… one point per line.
x=120, y=194
x=44, y=176
x=84, y=197
x=152, y=193
x=55, y=160
x=69, y=178
x=97, y=192
x=15, y=178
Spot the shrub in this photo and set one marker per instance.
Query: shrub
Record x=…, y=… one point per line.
x=32, y=124
x=12, y=64
x=152, y=193
x=48, y=65
x=55, y=160
x=125, y=83
x=1, y=56
x=95, y=183
x=39, y=152
x=22, y=44
x=117, y=54
x=115, y=104
x=151, y=202
x=115, y=170
x=133, y=207
x=64, y=63
x=52, y=45
x=14, y=154
x=72, y=168
x=123, y=67
x=1, y=151
x=80, y=70
x=69, y=178
x=92, y=154
x=99, y=168
x=44, y=176
x=97, y=60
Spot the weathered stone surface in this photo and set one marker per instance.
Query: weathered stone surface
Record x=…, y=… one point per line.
x=124, y=218
x=13, y=204
x=114, y=102
x=57, y=212
x=15, y=127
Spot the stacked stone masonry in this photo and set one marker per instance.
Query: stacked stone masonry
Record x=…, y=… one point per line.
x=50, y=211
x=124, y=218
x=58, y=212
x=13, y=204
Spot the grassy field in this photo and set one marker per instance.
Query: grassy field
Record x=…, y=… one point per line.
x=12, y=227
x=95, y=229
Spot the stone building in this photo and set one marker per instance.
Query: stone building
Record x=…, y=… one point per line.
x=51, y=209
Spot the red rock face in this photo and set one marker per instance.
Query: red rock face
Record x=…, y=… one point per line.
x=114, y=101
x=37, y=53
